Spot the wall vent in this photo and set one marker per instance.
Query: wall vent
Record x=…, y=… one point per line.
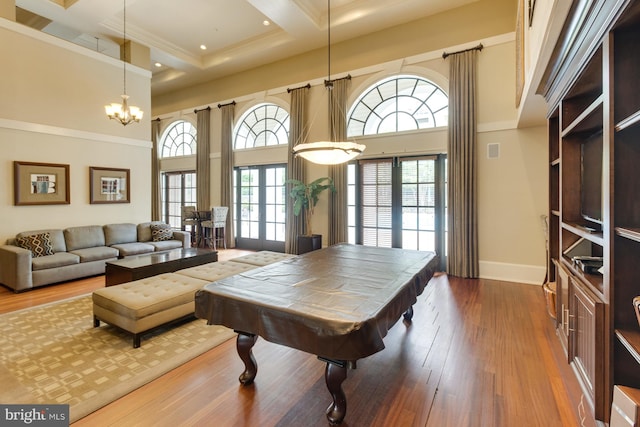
x=493, y=151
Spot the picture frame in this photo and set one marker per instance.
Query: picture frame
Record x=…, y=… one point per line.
x=40, y=184
x=109, y=185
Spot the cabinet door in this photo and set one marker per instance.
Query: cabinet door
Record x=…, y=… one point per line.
x=586, y=351
x=562, y=303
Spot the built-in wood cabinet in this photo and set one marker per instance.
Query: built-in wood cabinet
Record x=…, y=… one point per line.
x=592, y=86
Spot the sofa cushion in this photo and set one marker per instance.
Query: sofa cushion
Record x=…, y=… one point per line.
x=161, y=232
x=144, y=231
x=95, y=254
x=127, y=249
x=38, y=244
x=87, y=236
x=56, y=236
x=56, y=260
x=165, y=245
x=120, y=233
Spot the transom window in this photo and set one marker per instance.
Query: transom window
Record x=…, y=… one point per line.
x=264, y=125
x=397, y=104
x=179, y=140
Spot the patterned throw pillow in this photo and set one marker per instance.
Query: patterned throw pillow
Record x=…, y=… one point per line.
x=160, y=232
x=38, y=244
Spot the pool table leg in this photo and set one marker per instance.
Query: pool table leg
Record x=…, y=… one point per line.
x=244, y=344
x=408, y=315
x=334, y=374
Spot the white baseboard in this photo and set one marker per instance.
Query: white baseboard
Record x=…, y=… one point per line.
x=520, y=273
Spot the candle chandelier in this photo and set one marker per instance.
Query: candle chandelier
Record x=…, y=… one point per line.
x=124, y=113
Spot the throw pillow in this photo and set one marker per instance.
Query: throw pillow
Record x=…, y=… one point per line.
x=38, y=244
x=160, y=232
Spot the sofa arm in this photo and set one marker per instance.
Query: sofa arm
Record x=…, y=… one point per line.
x=15, y=267
x=184, y=237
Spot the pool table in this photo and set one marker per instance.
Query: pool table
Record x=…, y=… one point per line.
x=337, y=303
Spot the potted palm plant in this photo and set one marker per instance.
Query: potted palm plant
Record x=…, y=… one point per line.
x=305, y=197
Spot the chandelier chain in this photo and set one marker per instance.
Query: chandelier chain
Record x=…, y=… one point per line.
x=329, y=40
x=124, y=47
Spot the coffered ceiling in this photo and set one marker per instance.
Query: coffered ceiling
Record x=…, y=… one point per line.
x=238, y=34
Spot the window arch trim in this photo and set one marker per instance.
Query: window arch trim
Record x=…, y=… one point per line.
x=373, y=88
x=255, y=127
x=172, y=131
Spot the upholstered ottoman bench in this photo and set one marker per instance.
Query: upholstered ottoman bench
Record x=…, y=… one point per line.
x=213, y=271
x=262, y=258
x=142, y=305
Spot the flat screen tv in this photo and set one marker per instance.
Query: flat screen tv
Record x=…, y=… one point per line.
x=591, y=179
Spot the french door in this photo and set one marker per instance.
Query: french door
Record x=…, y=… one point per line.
x=259, y=200
x=178, y=189
x=400, y=202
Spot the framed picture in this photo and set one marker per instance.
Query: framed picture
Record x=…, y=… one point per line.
x=109, y=185
x=40, y=184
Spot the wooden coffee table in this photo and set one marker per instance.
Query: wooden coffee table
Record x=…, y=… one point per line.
x=142, y=266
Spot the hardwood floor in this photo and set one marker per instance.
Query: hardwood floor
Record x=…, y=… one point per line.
x=478, y=353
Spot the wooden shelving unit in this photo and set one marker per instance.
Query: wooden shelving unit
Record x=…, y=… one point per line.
x=593, y=91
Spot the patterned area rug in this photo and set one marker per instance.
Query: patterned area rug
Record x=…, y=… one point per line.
x=53, y=354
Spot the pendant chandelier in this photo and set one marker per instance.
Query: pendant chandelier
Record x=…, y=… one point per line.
x=329, y=152
x=124, y=113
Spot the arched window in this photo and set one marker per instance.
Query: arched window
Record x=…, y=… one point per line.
x=263, y=125
x=178, y=140
x=397, y=104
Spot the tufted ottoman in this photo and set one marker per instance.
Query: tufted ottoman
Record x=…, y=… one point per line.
x=215, y=270
x=142, y=305
x=263, y=258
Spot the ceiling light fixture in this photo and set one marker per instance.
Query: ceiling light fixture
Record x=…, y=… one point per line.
x=203, y=47
x=124, y=112
x=328, y=152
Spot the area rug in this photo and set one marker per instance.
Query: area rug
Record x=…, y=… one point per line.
x=52, y=354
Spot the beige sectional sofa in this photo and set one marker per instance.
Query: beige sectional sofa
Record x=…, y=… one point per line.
x=42, y=257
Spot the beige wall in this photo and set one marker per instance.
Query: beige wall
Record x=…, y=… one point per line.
x=52, y=111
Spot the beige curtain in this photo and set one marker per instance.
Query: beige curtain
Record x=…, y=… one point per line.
x=338, y=231
x=203, y=163
x=226, y=168
x=294, y=225
x=156, y=210
x=462, y=257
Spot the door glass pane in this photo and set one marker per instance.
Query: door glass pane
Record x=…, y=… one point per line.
x=262, y=203
x=178, y=189
x=376, y=203
x=418, y=203
x=249, y=203
x=275, y=202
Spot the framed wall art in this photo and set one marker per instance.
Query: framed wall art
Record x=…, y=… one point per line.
x=40, y=183
x=109, y=185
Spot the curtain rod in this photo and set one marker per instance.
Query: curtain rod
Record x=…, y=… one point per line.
x=328, y=82
x=229, y=103
x=307, y=86
x=202, y=109
x=445, y=54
